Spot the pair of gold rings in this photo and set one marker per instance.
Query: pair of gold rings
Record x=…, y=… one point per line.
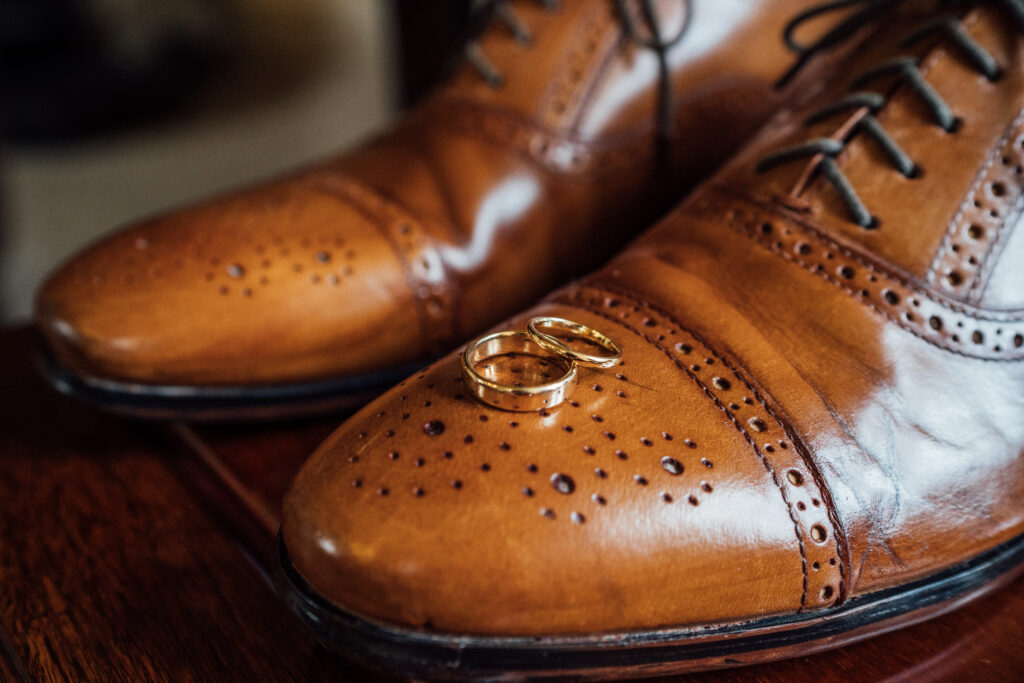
x=541, y=342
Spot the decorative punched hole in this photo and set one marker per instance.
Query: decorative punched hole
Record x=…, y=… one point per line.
x=468, y=438
x=955, y=278
x=935, y=322
x=757, y=424
x=599, y=499
x=527, y=491
x=418, y=492
x=568, y=428
x=975, y=232
x=393, y=455
x=563, y=483
x=706, y=487
x=667, y=497
x=621, y=455
x=357, y=483
x=485, y=467
x=601, y=474
x=448, y=455
x=891, y=297
x=577, y=518
x=707, y=463
x=692, y=500
x=547, y=512
x=589, y=450
x=433, y=428
x=818, y=533
x=383, y=491
x=827, y=592
x=504, y=446
x=795, y=478
x=672, y=466
x=666, y=436
x=640, y=480
x=721, y=384
x=610, y=436
x=645, y=441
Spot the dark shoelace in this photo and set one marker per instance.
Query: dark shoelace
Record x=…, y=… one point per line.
x=907, y=71
x=503, y=12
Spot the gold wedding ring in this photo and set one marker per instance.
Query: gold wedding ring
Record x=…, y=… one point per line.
x=515, y=397
x=540, y=342
x=540, y=330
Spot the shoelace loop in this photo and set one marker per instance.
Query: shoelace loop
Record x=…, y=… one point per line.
x=905, y=68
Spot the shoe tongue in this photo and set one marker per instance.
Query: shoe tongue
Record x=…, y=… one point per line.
x=915, y=216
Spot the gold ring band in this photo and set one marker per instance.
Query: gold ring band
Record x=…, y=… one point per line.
x=553, y=344
x=510, y=397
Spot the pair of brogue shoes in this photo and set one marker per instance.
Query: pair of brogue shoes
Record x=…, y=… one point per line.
x=816, y=429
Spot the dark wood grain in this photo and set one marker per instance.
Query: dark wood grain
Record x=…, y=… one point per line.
x=109, y=570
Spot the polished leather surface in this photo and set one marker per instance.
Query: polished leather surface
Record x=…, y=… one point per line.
x=473, y=205
x=839, y=420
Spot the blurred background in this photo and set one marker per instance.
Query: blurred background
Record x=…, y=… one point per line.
x=111, y=110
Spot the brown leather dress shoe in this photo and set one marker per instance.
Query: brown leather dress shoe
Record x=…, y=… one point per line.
x=566, y=122
x=815, y=434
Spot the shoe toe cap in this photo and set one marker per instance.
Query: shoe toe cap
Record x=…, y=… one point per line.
x=645, y=500
x=280, y=284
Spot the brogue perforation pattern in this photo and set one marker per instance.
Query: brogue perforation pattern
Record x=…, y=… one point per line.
x=555, y=152
x=960, y=268
x=954, y=326
x=821, y=548
x=322, y=259
x=597, y=35
x=421, y=261
x=597, y=457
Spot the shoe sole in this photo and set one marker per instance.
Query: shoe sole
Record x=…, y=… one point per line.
x=421, y=654
x=219, y=403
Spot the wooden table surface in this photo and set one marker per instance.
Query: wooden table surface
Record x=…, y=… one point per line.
x=133, y=551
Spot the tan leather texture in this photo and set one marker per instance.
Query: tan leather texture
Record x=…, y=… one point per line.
x=838, y=419
x=474, y=204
